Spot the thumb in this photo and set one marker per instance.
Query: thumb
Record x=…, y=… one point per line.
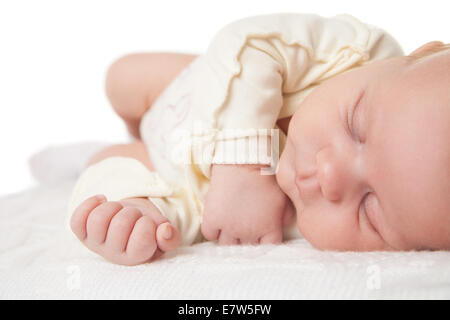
x=167, y=237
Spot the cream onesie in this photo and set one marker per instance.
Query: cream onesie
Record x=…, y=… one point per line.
x=221, y=107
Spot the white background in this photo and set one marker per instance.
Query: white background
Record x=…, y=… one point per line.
x=54, y=54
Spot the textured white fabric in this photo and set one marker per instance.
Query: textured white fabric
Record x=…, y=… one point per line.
x=39, y=260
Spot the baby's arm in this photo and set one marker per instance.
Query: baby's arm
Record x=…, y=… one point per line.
x=243, y=205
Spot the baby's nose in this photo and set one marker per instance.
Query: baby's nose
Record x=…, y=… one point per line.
x=336, y=174
x=307, y=185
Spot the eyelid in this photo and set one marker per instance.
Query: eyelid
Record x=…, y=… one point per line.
x=363, y=206
x=351, y=117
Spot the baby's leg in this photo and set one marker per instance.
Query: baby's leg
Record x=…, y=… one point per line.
x=135, y=81
x=127, y=232
x=136, y=150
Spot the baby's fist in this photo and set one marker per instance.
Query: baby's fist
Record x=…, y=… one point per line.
x=244, y=206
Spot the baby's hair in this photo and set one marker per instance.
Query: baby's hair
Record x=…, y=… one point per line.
x=438, y=47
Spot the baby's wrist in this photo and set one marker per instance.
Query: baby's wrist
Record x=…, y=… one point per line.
x=238, y=167
x=227, y=172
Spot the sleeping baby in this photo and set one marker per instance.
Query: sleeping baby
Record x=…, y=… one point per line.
x=363, y=133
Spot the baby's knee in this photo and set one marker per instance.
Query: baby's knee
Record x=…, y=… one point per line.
x=115, y=81
x=135, y=150
x=110, y=151
x=121, y=87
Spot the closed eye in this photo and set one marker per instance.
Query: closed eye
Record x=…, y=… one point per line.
x=365, y=208
x=351, y=118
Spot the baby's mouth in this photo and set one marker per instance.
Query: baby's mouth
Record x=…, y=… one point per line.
x=297, y=201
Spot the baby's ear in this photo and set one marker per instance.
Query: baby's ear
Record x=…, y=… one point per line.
x=426, y=49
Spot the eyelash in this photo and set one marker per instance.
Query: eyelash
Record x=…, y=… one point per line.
x=350, y=117
x=363, y=206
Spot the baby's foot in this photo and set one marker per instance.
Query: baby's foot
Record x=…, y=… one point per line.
x=128, y=232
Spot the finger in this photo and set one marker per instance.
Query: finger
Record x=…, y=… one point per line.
x=167, y=237
x=249, y=241
x=81, y=213
x=152, y=211
x=209, y=233
x=142, y=242
x=120, y=228
x=158, y=253
x=98, y=221
x=273, y=238
x=227, y=240
x=155, y=214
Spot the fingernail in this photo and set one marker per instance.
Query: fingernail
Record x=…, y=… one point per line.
x=168, y=232
x=101, y=197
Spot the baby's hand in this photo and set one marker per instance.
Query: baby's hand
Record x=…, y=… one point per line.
x=244, y=206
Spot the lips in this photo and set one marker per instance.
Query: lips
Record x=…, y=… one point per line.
x=286, y=170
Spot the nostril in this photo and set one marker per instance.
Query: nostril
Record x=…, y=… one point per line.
x=306, y=173
x=327, y=175
x=329, y=186
x=308, y=186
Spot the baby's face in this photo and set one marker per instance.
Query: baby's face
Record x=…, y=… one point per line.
x=367, y=160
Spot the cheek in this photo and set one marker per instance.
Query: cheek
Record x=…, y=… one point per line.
x=313, y=127
x=286, y=172
x=328, y=228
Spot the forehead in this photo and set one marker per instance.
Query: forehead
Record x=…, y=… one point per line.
x=410, y=147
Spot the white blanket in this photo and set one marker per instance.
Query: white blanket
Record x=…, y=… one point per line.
x=39, y=259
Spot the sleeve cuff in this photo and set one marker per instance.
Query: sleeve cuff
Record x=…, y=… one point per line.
x=245, y=147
